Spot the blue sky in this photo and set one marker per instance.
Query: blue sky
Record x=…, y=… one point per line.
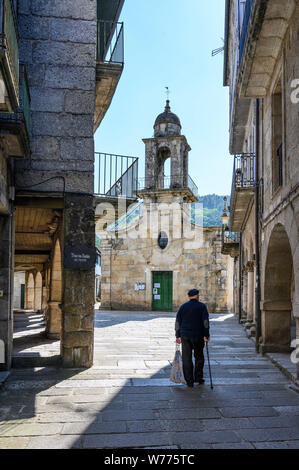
x=169, y=43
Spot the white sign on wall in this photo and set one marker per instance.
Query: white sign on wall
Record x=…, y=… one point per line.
x=139, y=286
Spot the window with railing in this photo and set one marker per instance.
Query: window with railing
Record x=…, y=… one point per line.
x=9, y=42
x=110, y=42
x=244, y=171
x=277, y=137
x=245, y=10
x=229, y=237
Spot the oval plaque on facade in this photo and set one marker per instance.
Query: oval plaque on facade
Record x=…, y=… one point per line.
x=163, y=240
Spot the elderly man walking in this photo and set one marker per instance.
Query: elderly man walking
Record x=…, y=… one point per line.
x=193, y=331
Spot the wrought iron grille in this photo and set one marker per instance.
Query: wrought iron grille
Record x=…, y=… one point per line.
x=244, y=171
x=116, y=175
x=110, y=42
x=230, y=237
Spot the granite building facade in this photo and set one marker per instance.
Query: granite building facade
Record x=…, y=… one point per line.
x=262, y=71
x=58, y=77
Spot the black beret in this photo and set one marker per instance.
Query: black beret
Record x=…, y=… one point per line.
x=193, y=292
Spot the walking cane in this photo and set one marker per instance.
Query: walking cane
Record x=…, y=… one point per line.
x=209, y=366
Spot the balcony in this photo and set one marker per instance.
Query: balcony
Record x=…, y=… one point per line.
x=261, y=37
x=230, y=243
x=116, y=176
x=110, y=64
x=15, y=127
x=9, y=58
x=243, y=187
x=169, y=183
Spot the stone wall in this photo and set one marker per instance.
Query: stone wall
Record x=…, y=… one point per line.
x=57, y=44
x=126, y=262
x=4, y=204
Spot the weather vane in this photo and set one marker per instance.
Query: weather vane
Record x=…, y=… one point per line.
x=167, y=92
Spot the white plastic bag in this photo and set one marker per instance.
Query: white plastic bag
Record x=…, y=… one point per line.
x=176, y=374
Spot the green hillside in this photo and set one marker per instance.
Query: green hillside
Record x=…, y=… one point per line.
x=212, y=209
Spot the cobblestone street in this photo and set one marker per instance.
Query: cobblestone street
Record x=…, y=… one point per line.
x=127, y=401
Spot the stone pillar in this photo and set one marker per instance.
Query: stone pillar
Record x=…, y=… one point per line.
x=244, y=293
x=53, y=319
x=53, y=326
x=6, y=286
x=38, y=285
x=29, y=288
x=78, y=285
x=106, y=270
x=276, y=326
x=45, y=294
x=250, y=290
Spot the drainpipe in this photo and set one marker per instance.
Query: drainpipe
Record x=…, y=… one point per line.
x=257, y=231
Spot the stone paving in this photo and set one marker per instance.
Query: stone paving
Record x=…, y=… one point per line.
x=127, y=401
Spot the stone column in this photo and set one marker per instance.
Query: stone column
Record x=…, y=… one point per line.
x=6, y=286
x=276, y=326
x=250, y=290
x=244, y=293
x=38, y=285
x=77, y=336
x=106, y=272
x=54, y=317
x=29, y=288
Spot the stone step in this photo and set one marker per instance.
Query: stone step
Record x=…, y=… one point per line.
x=24, y=361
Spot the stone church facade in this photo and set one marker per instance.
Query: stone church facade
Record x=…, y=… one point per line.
x=151, y=264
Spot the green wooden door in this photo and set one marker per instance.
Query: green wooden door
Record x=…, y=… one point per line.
x=162, y=291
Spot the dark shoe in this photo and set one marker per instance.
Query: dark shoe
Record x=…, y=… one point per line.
x=190, y=385
x=201, y=381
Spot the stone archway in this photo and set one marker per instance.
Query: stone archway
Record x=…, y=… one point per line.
x=163, y=162
x=53, y=323
x=277, y=305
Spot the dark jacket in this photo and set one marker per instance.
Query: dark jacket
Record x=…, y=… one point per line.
x=192, y=320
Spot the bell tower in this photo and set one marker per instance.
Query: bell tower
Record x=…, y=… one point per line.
x=167, y=143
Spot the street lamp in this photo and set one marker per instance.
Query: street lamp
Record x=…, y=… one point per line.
x=225, y=219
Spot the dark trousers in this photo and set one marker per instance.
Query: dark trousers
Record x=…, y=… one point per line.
x=189, y=345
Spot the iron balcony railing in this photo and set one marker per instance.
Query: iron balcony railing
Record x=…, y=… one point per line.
x=229, y=237
x=19, y=122
x=110, y=42
x=168, y=182
x=116, y=175
x=9, y=40
x=244, y=172
x=244, y=29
